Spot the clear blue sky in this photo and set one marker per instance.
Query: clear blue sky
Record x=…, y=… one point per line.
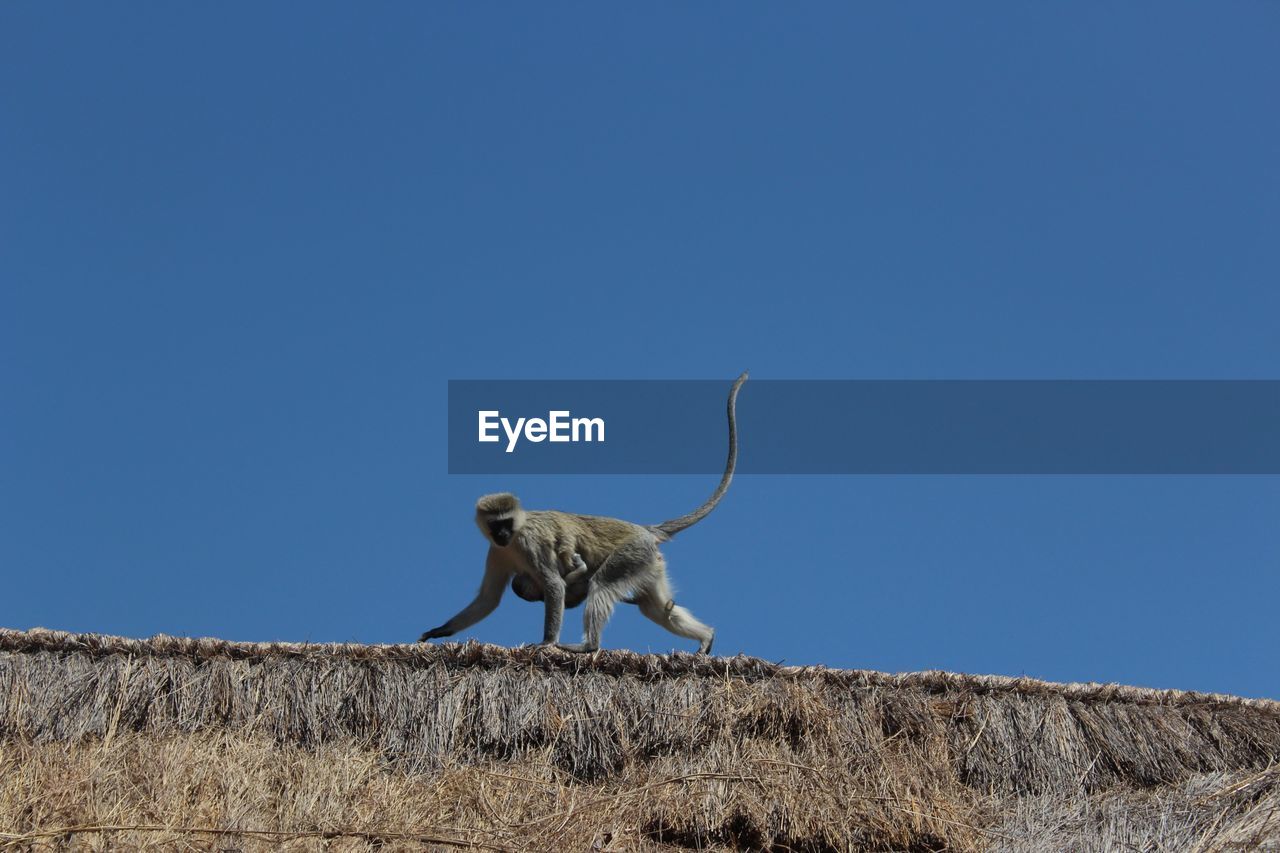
x=243, y=247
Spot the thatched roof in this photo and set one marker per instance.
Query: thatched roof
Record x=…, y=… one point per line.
x=251, y=745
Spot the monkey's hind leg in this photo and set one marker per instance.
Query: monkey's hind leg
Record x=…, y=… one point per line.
x=628, y=570
x=657, y=604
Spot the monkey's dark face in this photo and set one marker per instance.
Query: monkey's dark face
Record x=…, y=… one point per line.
x=501, y=531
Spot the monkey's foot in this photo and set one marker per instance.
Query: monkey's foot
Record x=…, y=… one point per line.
x=705, y=648
x=577, y=647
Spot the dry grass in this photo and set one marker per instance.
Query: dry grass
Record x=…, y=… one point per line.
x=171, y=743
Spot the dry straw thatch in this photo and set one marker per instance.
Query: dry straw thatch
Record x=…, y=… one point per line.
x=171, y=743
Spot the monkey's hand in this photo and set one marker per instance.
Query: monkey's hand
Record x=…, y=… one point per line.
x=434, y=633
x=580, y=569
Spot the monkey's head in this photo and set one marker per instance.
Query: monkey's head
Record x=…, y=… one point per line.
x=499, y=517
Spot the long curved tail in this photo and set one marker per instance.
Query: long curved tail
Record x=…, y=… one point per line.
x=667, y=529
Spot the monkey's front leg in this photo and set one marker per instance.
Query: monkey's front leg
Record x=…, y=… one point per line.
x=491, y=589
x=553, y=598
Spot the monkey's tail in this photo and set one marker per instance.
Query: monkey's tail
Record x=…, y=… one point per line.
x=667, y=529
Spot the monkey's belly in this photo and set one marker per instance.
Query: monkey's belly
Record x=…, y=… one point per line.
x=576, y=592
x=530, y=590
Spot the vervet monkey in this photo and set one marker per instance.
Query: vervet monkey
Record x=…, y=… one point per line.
x=562, y=558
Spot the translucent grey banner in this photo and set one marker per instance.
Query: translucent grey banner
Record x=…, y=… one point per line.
x=866, y=427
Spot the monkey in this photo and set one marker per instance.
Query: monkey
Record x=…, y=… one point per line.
x=615, y=561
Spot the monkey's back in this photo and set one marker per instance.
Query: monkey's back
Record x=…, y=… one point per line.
x=595, y=537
